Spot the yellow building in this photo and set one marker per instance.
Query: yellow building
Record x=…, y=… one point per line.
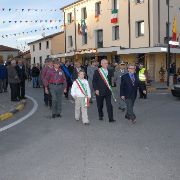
x=132, y=31
x=47, y=46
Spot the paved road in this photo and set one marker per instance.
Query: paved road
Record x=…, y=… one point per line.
x=44, y=149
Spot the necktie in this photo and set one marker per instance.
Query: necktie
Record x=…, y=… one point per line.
x=132, y=79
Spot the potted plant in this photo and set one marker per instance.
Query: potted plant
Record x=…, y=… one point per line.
x=162, y=73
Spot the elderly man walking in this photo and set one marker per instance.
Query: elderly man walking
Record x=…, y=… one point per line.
x=22, y=76
x=103, y=90
x=128, y=92
x=56, y=81
x=14, y=81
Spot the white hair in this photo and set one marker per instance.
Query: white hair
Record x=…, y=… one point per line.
x=13, y=62
x=104, y=60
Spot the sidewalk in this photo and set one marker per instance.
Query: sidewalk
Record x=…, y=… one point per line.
x=7, y=108
x=5, y=102
x=157, y=86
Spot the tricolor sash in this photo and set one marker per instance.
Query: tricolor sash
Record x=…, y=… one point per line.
x=84, y=91
x=106, y=81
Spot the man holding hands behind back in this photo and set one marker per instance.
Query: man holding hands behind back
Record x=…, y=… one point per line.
x=128, y=91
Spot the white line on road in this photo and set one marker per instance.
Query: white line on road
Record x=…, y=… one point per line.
x=34, y=109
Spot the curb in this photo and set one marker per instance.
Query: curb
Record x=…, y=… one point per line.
x=154, y=89
x=19, y=107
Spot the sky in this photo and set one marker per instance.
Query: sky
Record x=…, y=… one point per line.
x=20, y=41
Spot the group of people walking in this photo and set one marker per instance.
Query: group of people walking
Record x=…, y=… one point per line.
x=94, y=80
x=13, y=74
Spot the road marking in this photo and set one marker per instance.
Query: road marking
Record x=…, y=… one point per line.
x=34, y=109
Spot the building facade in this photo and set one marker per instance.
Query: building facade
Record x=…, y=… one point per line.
x=8, y=52
x=132, y=31
x=46, y=47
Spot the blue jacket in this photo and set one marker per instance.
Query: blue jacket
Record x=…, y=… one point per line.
x=3, y=72
x=128, y=89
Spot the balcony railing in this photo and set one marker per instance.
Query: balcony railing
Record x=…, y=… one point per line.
x=100, y=44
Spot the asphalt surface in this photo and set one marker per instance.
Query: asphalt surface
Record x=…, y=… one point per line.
x=41, y=148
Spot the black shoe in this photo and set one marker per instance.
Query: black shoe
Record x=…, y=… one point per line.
x=101, y=118
x=112, y=120
x=58, y=115
x=127, y=117
x=122, y=109
x=53, y=116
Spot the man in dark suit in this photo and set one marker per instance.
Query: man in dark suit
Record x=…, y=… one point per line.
x=101, y=79
x=20, y=68
x=128, y=91
x=76, y=70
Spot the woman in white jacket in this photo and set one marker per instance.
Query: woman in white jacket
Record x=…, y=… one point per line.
x=81, y=92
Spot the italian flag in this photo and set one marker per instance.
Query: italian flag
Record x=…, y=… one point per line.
x=114, y=16
x=174, y=31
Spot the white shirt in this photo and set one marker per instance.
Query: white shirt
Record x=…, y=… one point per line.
x=106, y=71
x=75, y=91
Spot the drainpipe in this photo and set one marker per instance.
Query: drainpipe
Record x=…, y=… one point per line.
x=169, y=50
x=149, y=23
x=129, y=22
x=159, y=26
x=65, y=32
x=75, y=37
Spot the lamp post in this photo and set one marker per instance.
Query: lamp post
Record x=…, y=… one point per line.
x=168, y=39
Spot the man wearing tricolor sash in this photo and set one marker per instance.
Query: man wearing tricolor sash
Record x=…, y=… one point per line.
x=103, y=90
x=81, y=93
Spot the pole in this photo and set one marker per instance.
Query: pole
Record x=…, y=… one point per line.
x=169, y=50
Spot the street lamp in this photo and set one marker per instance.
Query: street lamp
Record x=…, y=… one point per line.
x=168, y=39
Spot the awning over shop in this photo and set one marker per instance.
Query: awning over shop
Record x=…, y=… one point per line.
x=148, y=50
x=108, y=49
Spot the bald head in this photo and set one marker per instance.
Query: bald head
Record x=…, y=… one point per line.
x=104, y=63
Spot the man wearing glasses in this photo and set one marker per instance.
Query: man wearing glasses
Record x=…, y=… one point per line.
x=128, y=92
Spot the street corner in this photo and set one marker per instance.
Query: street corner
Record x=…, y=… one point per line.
x=9, y=114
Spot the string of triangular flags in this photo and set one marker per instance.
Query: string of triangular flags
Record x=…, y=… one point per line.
x=30, y=21
x=27, y=10
x=28, y=32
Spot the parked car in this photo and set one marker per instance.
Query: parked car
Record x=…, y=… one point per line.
x=176, y=90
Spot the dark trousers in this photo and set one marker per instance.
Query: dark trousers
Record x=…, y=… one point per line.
x=14, y=91
x=100, y=103
x=130, y=109
x=56, y=92
x=142, y=87
x=68, y=89
x=3, y=87
x=47, y=98
x=22, y=89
